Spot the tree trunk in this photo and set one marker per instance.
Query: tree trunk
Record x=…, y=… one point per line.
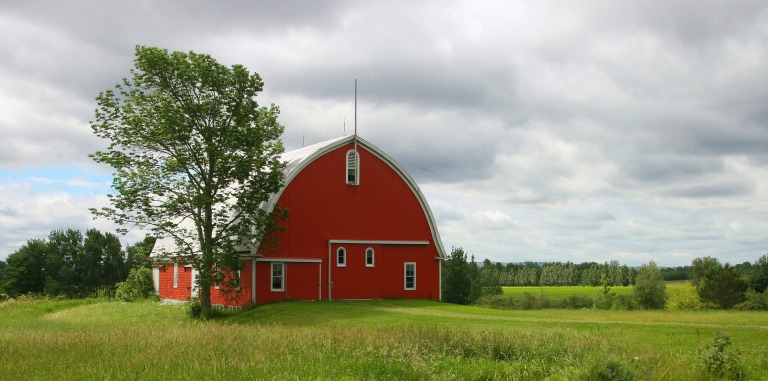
x=205, y=302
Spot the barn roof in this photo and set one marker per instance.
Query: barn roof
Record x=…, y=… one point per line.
x=298, y=159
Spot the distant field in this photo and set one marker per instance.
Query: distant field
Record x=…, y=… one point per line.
x=559, y=293
x=389, y=339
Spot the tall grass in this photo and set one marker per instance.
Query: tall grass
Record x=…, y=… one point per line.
x=407, y=340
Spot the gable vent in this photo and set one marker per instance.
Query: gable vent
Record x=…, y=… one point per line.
x=353, y=167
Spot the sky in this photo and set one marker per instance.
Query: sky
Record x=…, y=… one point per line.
x=538, y=131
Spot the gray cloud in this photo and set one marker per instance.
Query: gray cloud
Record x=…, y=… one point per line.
x=544, y=131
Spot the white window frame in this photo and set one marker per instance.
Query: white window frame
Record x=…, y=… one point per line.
x=272, y=276
x=373, y=257
x=353, y=165
x=405, y=275
x=341, y=257
x=175, y=275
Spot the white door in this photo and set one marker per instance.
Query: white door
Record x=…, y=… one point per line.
x=156, y=279
x=194, y=283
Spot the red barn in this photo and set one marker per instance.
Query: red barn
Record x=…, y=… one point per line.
x=358, y=228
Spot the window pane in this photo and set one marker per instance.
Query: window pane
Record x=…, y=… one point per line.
x=410, y=276
x=277, y=277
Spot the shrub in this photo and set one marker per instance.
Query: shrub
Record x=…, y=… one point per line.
x=756, y=298
x=194, y=309
x=576, y=302
x=683, y=297
x=138, y=285
x=611, y=369
x=719, y=359
x=500, y=302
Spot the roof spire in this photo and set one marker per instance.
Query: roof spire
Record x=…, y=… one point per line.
x=355, y=114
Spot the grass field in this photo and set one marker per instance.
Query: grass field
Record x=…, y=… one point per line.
x=392, y=339
x=560, y=293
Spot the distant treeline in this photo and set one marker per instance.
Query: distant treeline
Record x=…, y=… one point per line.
x=71, y=264
x=583, y=274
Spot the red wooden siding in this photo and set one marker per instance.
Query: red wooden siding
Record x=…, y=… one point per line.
x=167, y=291
x=383, y=207
x=301, y=281
x=240, y=297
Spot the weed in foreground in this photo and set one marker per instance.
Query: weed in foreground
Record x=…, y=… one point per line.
x=719, y=359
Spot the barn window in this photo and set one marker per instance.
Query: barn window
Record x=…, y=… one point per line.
x=353, y=167
x=175, y=275
x=369, y=260
x=341, y=257
x=278, y=276
x=217, y=285
x=410, y=276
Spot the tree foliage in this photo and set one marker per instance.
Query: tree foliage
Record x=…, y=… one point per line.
x=194, y=156
x=721, y=285
x=139, y=284
x=66, y=263
x=650, y=289
x=760, y=274
x=456, y=277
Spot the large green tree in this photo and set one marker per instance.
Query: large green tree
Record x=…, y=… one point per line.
x=650, y=290
x=194, y=157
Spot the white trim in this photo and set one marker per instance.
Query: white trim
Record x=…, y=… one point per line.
x=156, y=279
x=272, y=276
x=175, y=274
x=405, y=276
x=373, y=257
x=193, y=283
x=291, y=260
x=375, y=242
x=253, y=280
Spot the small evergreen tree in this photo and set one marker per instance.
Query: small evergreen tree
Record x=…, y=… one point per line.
x=723, y=285
x=456, y=280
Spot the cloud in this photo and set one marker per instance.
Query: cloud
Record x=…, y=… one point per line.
x=601, y=130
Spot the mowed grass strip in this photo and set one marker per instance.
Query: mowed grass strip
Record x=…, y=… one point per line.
x=390, y=339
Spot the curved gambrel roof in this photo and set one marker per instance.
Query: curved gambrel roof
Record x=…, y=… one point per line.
x=297, y=160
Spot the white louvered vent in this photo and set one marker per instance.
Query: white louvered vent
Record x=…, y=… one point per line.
x=353, y=167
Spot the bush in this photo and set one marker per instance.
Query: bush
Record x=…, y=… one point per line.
x=719, y=359
x=499, y=302
x=576, y=302
x=756, y=298
x=138, y=285
x=683, y=297
x=194, y=309
x=612, y=369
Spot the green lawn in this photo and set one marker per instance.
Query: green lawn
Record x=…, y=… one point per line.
x=390, y=339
